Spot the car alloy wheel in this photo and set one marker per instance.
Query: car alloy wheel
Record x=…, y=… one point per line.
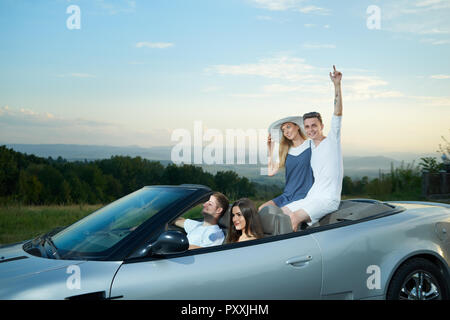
x=418, y=279
x=420, y=285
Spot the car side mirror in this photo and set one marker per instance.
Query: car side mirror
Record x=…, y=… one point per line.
x=170, y=242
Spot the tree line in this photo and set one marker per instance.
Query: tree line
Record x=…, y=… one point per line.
x=401, y=183
x=31, y=180
x=27, y=179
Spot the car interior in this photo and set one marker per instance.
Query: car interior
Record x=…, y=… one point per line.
x=274, y=222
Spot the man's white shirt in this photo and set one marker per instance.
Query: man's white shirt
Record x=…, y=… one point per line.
x=327, y=164
x=203, y=236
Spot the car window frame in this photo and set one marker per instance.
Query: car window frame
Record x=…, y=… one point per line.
x=103, y=255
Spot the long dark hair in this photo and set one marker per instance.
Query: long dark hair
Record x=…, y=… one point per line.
x=253, y=224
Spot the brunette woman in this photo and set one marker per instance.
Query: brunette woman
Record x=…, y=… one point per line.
x=245, y=223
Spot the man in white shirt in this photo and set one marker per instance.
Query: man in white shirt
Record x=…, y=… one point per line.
x=206, y=233
x=326, y=162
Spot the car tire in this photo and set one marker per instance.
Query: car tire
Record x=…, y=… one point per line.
x=418, y=279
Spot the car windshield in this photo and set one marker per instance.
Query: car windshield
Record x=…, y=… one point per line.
x=105, y=227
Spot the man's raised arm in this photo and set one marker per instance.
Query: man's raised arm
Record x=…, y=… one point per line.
x=336, y=77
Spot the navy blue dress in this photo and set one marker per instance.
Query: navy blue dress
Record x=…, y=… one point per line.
x=299, y=178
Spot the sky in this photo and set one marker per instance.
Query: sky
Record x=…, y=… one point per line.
x=124, y=72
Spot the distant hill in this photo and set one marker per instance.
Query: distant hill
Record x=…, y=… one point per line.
x=368, y=166
x=73, y=152
x=355, y=167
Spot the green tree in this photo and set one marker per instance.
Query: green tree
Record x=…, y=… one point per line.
x=445, y=147
x=360, y=186
x=347, y=185
x=29, y=188
x=430, y=164
x=51, y=180
x=225, y=182
x=64, y=196
x=9, y=172
x=245, y=188
x=113, y=188
x=78, y=192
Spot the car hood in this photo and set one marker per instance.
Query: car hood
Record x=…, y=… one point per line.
x=16, y=263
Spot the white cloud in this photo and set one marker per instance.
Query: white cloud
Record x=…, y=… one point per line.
x=156, y=45
x=367, y=88
x=116, y=7
x=311, y=25
x=427, y=3
x=418, y=28
x=28, y=126
x=4, y=110
x=431, y=101
x=314, y=88
x=314, y=9
x=40, y=119
x=295, y=76
x=440, y=76
x=286, y=68
x=277, y=5
x=433, y=4
x=436, y=42
x=434, y=31
x=293, y=5
x=426, y=17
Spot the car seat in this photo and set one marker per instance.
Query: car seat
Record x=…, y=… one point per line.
x=274, y=221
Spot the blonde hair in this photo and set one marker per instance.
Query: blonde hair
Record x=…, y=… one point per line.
x=285, y=144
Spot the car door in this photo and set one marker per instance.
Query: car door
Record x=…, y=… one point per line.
x=282, y=267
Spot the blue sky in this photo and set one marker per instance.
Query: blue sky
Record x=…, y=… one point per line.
x=137, y=70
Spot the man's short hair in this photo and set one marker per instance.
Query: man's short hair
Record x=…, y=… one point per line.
x=222, y=200
x=310, y=115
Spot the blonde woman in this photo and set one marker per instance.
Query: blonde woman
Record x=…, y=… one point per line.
x=295, y=156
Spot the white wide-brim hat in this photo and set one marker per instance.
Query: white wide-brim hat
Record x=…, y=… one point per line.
x=276, y=126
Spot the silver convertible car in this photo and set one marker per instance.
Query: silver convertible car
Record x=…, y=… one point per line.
x=130, y=249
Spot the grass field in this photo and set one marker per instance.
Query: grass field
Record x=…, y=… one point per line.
x=26, y=222
x=19, y=223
